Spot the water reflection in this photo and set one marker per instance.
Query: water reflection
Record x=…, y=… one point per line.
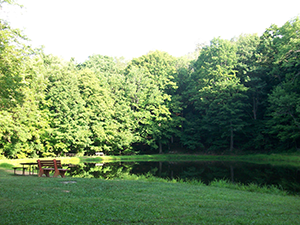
x=100, y=170
x=286, y=177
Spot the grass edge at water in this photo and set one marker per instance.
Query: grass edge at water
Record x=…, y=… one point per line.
x=288, y=159
x=222, y=183
x=273, y=159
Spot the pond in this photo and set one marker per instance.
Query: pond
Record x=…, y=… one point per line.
x=286, y=177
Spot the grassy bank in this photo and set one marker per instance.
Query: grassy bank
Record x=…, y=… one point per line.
x=276, y=159
x=291, y=159
x=33, y=200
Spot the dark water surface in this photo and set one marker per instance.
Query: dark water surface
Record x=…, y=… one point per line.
x=286, y=177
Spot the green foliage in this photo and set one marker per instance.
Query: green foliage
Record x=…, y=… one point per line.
x=110, y=114
x=284, y=98
x=253, y=76
x=159, y=66
x=238, y=95
x=12, y=55
x=67, y=112
x=18, y=110
x=217, y=94
x=161, y=120
x=11, y=2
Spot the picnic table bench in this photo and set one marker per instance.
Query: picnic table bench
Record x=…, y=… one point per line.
x=30, y=166
x=20, y=167
x=47, y=166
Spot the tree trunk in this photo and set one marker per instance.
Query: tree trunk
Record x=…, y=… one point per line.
x=254, y=107
x=160, y=147
x=231, y=137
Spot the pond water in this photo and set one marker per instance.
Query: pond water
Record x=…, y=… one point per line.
x=286, y=177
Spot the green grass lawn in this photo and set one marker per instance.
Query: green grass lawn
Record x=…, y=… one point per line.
x=34, y=200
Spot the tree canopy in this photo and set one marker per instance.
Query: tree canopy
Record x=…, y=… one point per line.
x=241, y=94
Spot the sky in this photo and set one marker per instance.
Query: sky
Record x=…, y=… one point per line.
x=132, y=28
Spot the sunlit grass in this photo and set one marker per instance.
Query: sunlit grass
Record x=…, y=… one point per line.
x=33, y=200
x=9, y=163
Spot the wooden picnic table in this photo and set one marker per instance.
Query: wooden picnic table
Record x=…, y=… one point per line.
x=24, y=167
x=30, y=164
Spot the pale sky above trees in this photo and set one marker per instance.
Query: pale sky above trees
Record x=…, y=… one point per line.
x=131, y=28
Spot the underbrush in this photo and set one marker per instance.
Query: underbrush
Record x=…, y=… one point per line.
x=252, y=187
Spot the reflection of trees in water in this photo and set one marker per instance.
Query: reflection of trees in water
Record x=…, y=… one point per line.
x=101, y=170
x=286, y=177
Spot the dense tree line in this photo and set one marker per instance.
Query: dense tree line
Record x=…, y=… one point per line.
x=230, y=95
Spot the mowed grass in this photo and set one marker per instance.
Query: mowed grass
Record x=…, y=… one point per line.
x=34, y=200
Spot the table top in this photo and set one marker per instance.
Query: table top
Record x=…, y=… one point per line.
x=30, y=163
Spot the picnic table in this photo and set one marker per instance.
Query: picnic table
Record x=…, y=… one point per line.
x=30, y=166
x=25, y=166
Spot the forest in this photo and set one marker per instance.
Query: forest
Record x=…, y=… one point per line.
x=238, y=95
